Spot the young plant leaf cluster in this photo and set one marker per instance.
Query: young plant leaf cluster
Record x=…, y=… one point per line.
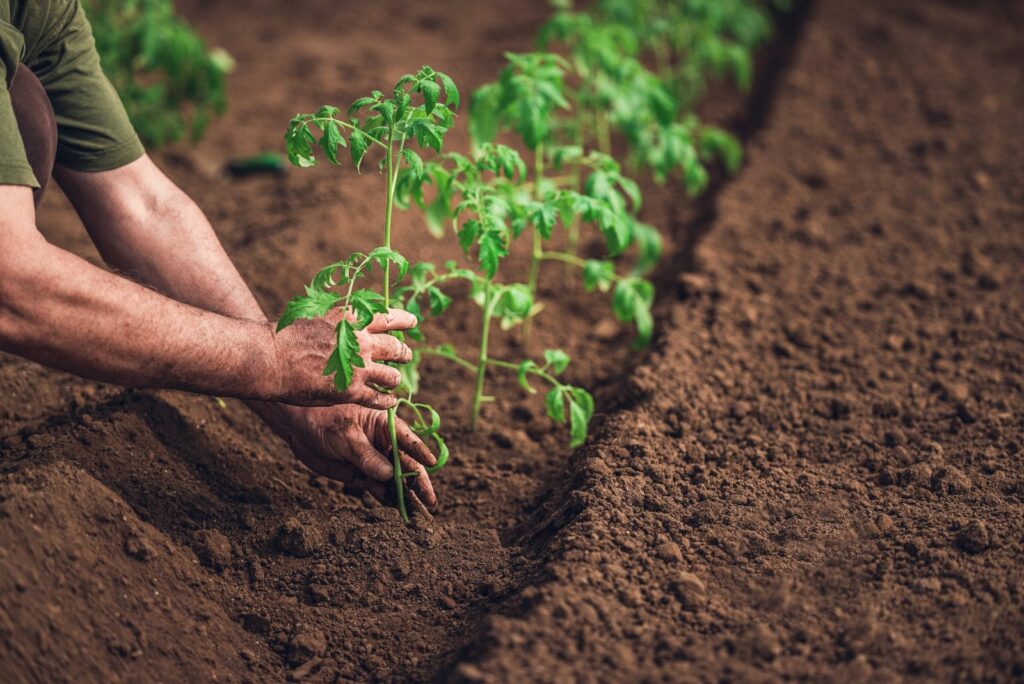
x=170, y=83
x=416, y=114
x=565, y=109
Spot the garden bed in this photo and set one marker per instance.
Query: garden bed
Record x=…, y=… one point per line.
x=816, y=470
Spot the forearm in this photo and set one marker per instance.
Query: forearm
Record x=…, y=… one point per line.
x=59, y=310
x=145, y=226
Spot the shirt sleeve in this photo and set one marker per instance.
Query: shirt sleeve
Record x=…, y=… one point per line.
x=14, y=166
x=94, y=132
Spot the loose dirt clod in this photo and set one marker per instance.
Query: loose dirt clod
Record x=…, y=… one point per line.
x=974, y=537
x=298, y=539
x=212, y=548
x=305, y=644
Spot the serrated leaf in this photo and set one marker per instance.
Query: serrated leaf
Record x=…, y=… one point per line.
x=359, y=104
x=359, y=143
x=331, y=140
x=365, y=303
x=345, y=358
x=414, y=161
x=431, y=92
x=451, y=93
x=299, y=144
x=315, y=304
x=492, y=251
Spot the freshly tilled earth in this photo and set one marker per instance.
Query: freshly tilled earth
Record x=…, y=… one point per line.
x=815, y=473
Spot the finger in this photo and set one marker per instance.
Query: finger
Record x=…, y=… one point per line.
x=424, y=487
x=361, y=453
x=394, y=319
x=382, y=375
x=371, y=398
x=388, y=348
x=410, y=443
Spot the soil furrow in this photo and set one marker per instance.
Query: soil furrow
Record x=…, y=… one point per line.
x=820, y=475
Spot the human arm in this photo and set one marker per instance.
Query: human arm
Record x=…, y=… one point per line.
x=144, y=225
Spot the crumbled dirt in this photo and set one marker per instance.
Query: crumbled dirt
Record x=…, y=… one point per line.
x=815, y=472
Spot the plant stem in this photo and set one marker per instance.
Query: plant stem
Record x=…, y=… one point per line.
x=604, y=134
x=481, y=365
x=538, y=241
x=396, y=454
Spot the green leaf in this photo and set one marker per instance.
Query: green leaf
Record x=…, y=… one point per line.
x=557, y=359
x=385, y=255
x=451, y=93
x=554, y=401
x=345, y=358
x=359, y=143
x=581, y=410
x=439, y=301
x=365, y=303
x=414, y=161
x=515, y=302
x=524, y=380
x=411, y=373
x=360, y=103
x=492, y=251
x=598, y=275
x=299, y=143
x=331, y=140
x=483, y=113
x=431, y=93
x=315, y=304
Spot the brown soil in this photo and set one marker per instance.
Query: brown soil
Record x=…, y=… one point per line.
x=814, y=473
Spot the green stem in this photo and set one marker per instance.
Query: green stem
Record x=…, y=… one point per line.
x=396, y=454
x=604, y=135
x=538, y=242
x=481, y=365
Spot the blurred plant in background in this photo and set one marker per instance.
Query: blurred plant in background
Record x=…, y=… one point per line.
x=171, y=84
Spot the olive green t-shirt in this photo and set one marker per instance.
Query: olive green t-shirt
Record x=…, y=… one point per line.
x=53, y=39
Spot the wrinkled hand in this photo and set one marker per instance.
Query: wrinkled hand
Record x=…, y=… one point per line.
x=351, y=444
x=301, y=352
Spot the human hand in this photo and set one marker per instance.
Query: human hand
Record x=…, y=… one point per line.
x=351, y=444
x=301, y=351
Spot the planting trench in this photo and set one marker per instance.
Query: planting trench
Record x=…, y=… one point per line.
x=816, y=471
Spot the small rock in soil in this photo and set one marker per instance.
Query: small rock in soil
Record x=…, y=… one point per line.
x=691, y=590
x=139, y=548
x=950, y=480
x=212, y=548
x=761, y=642
x=468, y=673
x=297, y=539
x=308, y=643
x=974, y=537
x=693, y=284
x=669, y=551
x=919, y=473
x=607, y=330
x=255, y=623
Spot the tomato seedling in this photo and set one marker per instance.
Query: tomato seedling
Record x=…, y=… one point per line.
x=392, y=124
x=568, y=185
x=168, y=80
x=480, y=196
